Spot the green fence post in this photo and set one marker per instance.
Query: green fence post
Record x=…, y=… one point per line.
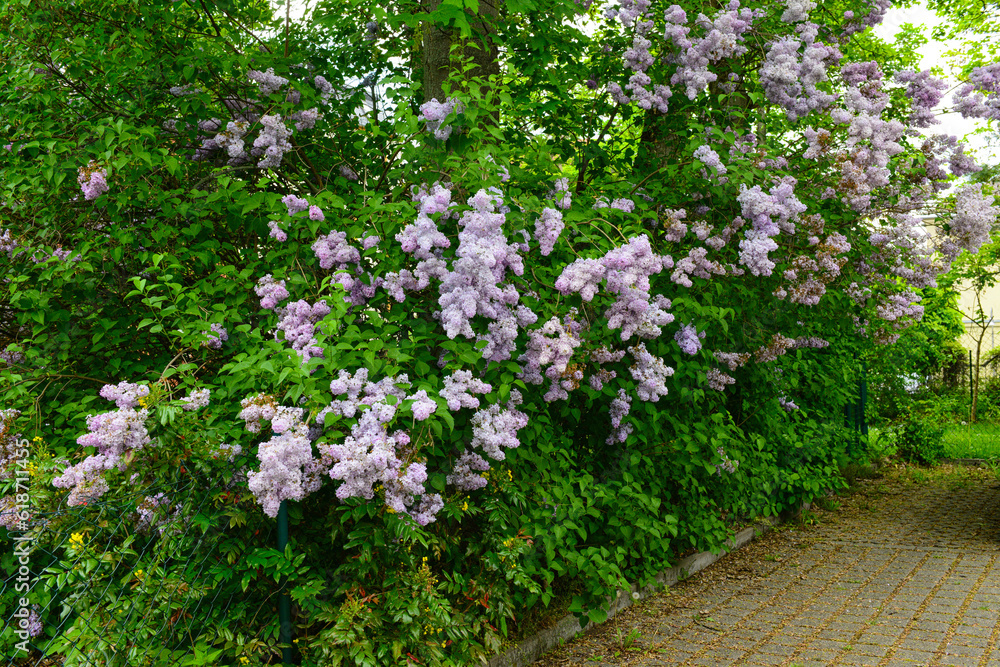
x=284, y=602
x=863, y=397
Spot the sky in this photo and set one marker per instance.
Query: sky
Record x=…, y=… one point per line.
x=933, y=56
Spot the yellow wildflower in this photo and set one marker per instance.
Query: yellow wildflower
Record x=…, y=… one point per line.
x=76, y=540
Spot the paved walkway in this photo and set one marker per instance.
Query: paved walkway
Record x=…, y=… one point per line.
x=905, y=572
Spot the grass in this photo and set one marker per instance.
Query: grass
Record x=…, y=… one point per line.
x=972, y=441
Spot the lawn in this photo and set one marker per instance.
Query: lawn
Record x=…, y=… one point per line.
x=976, y=441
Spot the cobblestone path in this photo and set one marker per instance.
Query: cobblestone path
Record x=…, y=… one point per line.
x=904, y=572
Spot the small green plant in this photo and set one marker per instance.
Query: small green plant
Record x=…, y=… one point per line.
x=627, y=640
x=827, y=504
x=920, y=442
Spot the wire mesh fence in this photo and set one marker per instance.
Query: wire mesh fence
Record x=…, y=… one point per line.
x=149, y=579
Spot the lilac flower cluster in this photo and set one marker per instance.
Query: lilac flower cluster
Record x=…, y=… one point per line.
x=547, y=229
x=273, y=141
x=871, y=141
x=974, y=217
x=298, y=324
x=230, y=140
x=786, y=404
x=197, y=399
x=777, y=346
x=620, y=408
x=872, y=18
x=732, y=360
x=723, y=39
x=790, y=79
x=215, y=337
x=92, y=180
x=466, y=473
x=552, y=345
x=268, y=81
x=124, y=394
x=711, y=160
x=434, y=113
x=371, y=454
x=797, y=11
x=770, y=214
x=116, y=435
x=689, y=339
x=626, y=270
x=333, y=251
x=287, y=471
x=474, y=286
x=561, y=194
x=726, y=465
x=717, y=380
x=650, y=372
x=459, y=388
x=494, y=430
x=638, y=59
x=925, y=92
x=696, y=264
x=271, y=292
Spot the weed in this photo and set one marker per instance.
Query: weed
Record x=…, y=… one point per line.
x=627, y=641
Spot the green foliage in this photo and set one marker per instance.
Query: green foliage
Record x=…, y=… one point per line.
x=919, y=441
x=177, y=244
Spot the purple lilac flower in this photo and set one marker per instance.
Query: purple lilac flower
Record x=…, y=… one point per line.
x=272, y=142
x=547, y=229
x=925, y=92
x=466, y=475
x=271, y=292
x=620, y=408
x=294, y=204
x=198, y=398
x=727, y=465
x=268, y=81
x=333, y=251
x=626, y=271
x=215, y=337
x=124, y=394
x=790, y=79
x=92, y=180
x=650, y=372
x=422, y=406
x=797, y=11
x=723, y=39
x=458, y=390
x=717, y=380
x=298, y=326
x=550, y=345
x=434, y=113
x=689, y=339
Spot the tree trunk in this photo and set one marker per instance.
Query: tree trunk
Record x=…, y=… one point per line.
x=481, y=48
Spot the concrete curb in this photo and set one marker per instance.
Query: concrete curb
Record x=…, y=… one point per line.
x=968, y=462
x=533, y=648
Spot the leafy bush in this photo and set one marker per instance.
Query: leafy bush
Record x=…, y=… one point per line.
x=919, y=441
x=487, y=334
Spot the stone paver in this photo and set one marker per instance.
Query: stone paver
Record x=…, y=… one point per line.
x=905, y=573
